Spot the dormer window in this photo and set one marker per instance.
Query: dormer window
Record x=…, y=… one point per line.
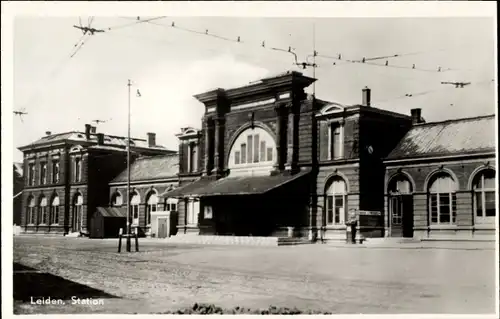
x=192, y=157
x=336, y=143
x=78, y=169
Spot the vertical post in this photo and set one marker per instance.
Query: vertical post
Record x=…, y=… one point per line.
x=128, y=173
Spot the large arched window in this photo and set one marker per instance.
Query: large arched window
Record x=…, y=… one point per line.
x=54, y=210
x=253, y=152
x=77, y=211
x=135, y=200
x=484, y=196
x=151, y=206
x=30, y=211
x=336, y=201
x=44, y=214
x=442, y=200
x=116, y=200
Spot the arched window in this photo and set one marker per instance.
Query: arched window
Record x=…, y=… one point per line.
x=30, y=211
x=151, y=206
x=484, y=196
x=135, y=200
x=44, y=220
x=77, y=212
x=336, y=199
x=254, y=150
x=116, y=200
x=442, y=200
x=54, y=210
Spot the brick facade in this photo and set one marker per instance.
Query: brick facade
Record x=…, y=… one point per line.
x=462, y=171
x=100, y=162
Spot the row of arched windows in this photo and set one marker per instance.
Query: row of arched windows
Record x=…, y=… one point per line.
x=45, y=214
x=151, y=204
x=441, y=193
x=442, y=197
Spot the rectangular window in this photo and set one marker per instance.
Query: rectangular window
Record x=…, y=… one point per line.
x=339, y=208
x=135, y=214
x=43, y=214
x=269, y=154
x=243, y=153
x=434, y=208
x=329, y=210
x=489, y=204
x=31, y=174
x=78, y=168
x=31, y=215
x=193, y=157
x=43, y=173
x=236, y=157
x=173, y=207
x=335, y=142
x=55, y=172
x=192, y=212
x=256, y=148
x=444, y=208
x=250, y=148
x=479, y=204
x=262, y=157
x=55, y=215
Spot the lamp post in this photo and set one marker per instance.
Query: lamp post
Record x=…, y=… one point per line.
x=129, y=227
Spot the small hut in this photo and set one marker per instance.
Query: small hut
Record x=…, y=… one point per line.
x=107, y=221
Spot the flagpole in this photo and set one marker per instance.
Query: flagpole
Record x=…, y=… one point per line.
x=129, y=228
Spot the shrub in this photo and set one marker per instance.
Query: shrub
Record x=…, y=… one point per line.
x=211, y=309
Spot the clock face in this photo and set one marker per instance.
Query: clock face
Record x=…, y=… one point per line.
x=370, y=149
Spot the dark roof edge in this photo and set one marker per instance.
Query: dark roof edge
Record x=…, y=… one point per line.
x=456, y=120
x=437, y=156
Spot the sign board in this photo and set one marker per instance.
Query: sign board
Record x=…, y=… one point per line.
x=369, y=213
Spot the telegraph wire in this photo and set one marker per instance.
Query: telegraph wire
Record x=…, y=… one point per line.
x=138, y=20
x=410, y=95
x=87, y=32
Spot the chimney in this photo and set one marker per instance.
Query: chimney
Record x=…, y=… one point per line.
x=93, y=129
x=366, y=96
x=416, y=116
x=87, y=131
x=100, y=139
x=151, y=139
x=48, y=133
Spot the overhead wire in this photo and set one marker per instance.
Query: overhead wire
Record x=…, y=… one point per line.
x=410, y=95
x=63, y=62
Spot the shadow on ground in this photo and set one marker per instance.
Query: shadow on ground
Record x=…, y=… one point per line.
x=29, y=282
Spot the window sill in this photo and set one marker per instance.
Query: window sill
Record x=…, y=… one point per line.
x=335, y=226
x=442, y=226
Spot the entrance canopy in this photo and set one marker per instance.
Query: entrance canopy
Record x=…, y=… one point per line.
x=112, y=211
x=241, y=185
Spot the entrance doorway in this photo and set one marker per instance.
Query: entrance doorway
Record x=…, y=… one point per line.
x=401, y=212
x=400, y=207
x=163, y=226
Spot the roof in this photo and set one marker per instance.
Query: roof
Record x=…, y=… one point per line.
x=452, y=137
x=241, y=185
x=78, y=137
x=151, y=167
x=112, y=212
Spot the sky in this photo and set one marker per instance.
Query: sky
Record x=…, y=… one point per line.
x=169, y=66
